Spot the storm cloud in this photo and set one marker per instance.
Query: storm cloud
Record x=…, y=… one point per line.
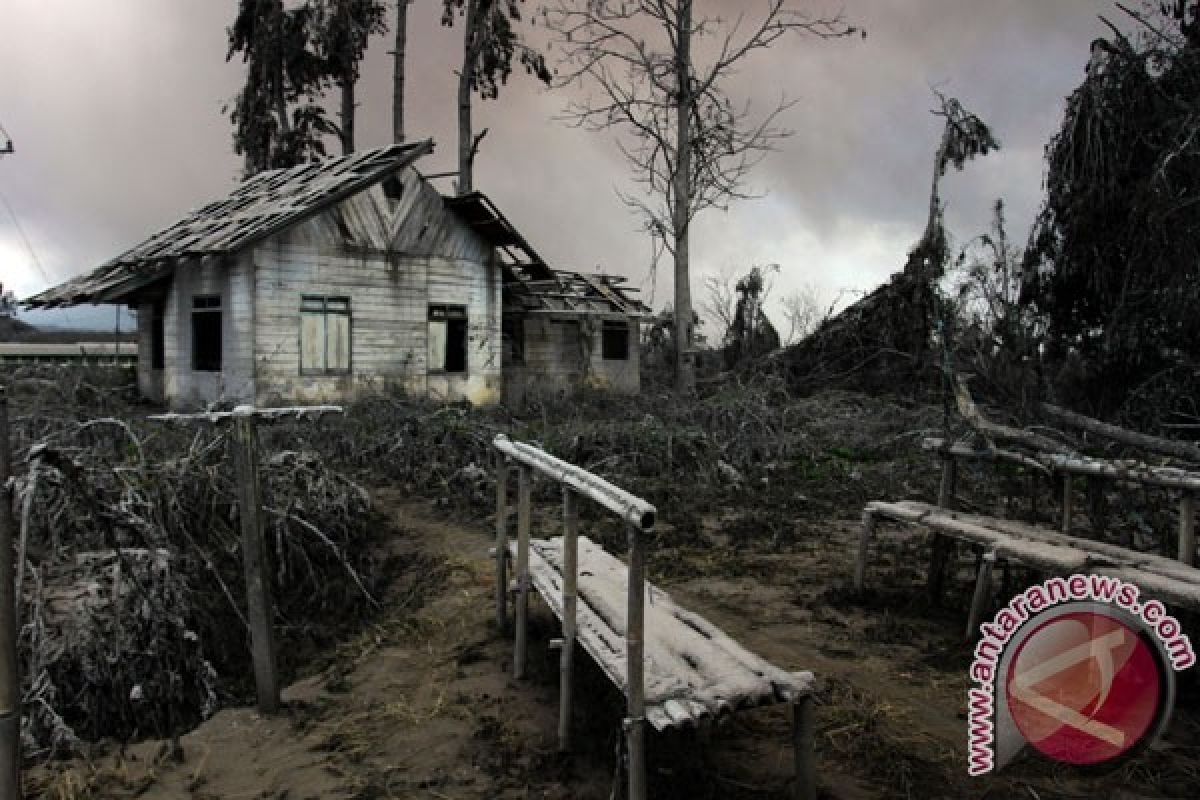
x=115, y=111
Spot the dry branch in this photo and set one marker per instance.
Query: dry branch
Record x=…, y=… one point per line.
x=1153, y=444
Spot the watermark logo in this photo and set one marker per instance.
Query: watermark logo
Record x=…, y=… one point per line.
x=1076, y=668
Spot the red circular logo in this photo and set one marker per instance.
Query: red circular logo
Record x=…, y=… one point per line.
x=1084, y=687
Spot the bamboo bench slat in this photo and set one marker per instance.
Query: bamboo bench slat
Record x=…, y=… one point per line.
x=693, y=669
x=1042, y=549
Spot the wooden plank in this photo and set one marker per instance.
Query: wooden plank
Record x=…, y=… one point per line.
x=1053, y=552
x=687, y=658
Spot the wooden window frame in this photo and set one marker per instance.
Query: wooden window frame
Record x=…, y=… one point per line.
x=447, y=313
x=208, y=305
x=326, y=306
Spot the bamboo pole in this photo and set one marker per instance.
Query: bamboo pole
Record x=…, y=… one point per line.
x=983, y=585
x=260, y=609
x=1068, y=498
x=524, y=498
x=501, y=542
x=567, y=654
x=803, y=733
x=949, y=482
x=1187, y=528
x=1033, y=497
x=634, y=651
x=628, y=507
x=940, y=545
x=860, y=565
x=10, y=679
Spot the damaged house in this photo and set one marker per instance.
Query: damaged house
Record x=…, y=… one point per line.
x=318, y=282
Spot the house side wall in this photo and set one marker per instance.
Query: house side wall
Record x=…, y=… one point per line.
x=149, y=381
x=564, y=354
x=620, y=376
x=343, y=253
x=233, y=282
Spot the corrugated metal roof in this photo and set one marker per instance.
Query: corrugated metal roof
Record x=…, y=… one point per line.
x=260, y=207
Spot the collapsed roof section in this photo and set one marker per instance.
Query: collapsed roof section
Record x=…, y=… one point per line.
x=567, y=293
x=481, y=214
x=261, y=206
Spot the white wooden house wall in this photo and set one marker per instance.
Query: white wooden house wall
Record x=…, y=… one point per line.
x=433, y=258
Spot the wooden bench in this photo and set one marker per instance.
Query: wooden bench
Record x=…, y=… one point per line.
x=675, y=668
x=1037, y=548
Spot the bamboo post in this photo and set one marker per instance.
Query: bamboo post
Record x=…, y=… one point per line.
x=254, y=556
x=1187, y=528
x=940, y=545
x=949, y=482
x=860, y=565
x=1068, y=498
x=501, y=542
x=1033, y=497
x=983, y=585
x=567, y=654
x=803, y=733
x=634, y=651
x=10, y=679
x=524, y=498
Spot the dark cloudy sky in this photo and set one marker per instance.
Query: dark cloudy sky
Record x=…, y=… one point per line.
x=115, y=111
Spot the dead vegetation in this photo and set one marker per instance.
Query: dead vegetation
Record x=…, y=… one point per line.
x=130, y=574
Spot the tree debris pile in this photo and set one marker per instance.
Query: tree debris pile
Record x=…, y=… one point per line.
x=131, y=578
x=878, y=344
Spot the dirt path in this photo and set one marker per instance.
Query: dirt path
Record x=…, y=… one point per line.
x=421, y=704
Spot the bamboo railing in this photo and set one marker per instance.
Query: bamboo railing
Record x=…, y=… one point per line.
x=638, y=516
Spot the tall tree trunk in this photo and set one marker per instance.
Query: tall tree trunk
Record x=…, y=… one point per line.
x=465, y=149
x=398, y=70
x=685, y=372
x=280, y=76
x=347, y=113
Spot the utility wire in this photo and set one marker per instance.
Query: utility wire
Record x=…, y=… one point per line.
x=37, y=262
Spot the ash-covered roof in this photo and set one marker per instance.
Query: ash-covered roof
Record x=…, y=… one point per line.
x=565, y=292
x=261, y=206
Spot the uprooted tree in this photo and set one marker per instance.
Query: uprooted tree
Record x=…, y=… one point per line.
x=690, y=146
x=886, y=335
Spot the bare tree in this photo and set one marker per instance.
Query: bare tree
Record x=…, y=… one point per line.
x=690, y=147
x=720, y=302
x=803, y=311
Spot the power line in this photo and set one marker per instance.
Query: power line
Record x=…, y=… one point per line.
x=37, y=262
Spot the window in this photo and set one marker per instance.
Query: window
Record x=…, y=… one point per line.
x=206, y=333
x=512, y=332
x=614, y=341
x=324, y=335
x=447, y=339
x=157, y=337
